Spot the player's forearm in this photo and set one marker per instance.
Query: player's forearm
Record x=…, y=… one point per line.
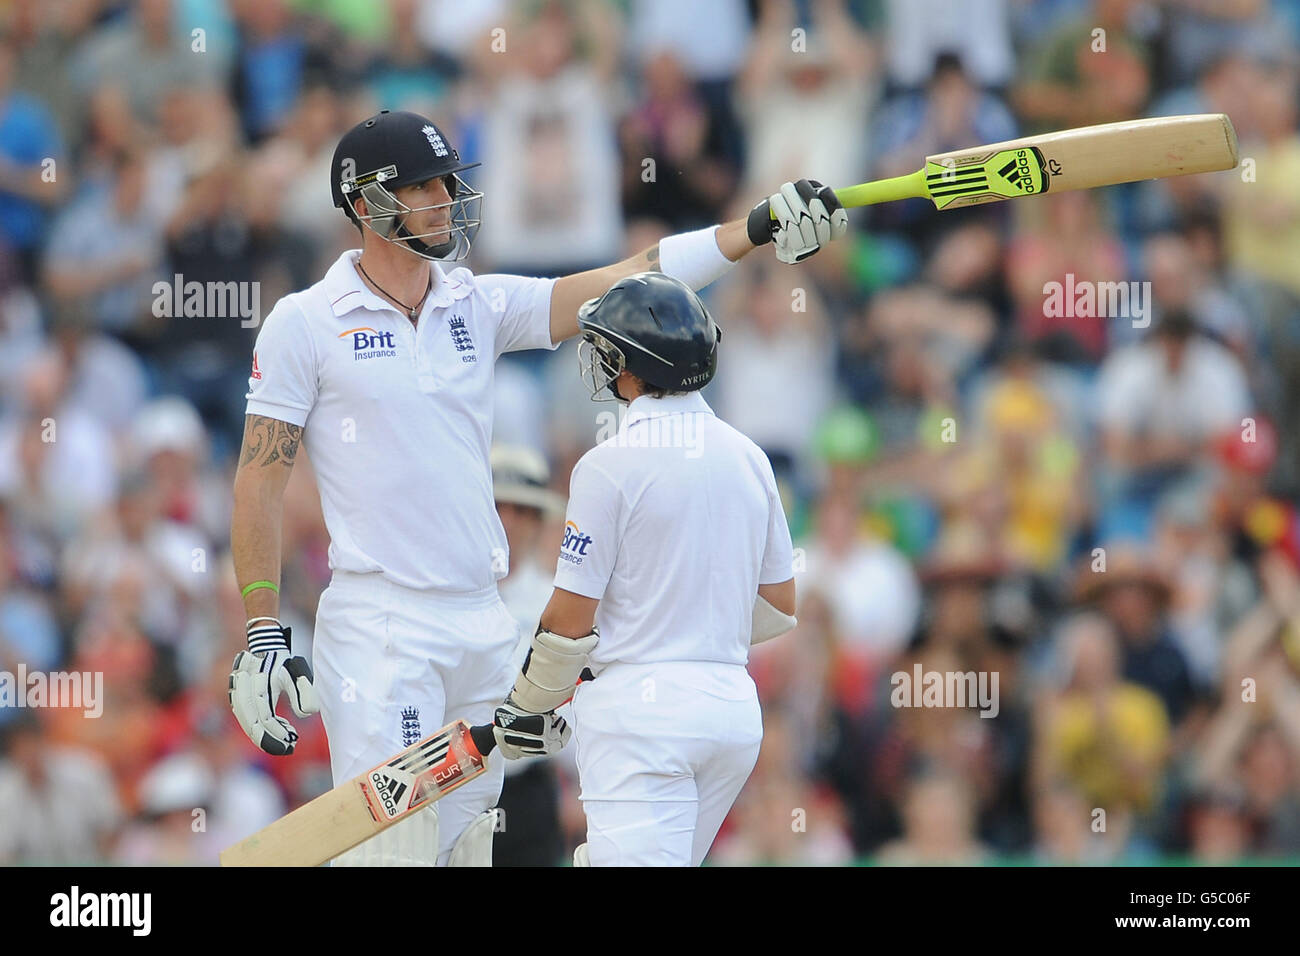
x=733, y=240
x=572, y=291
x=266, y=459
x=255, y=546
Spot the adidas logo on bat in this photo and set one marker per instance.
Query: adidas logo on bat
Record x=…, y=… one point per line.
x=390, y=791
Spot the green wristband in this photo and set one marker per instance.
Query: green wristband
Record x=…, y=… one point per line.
x=260, y=584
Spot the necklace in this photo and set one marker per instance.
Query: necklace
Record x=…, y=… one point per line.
x=410, y=311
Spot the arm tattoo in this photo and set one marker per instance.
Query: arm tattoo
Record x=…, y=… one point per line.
x=652, y=257
x=268, y=440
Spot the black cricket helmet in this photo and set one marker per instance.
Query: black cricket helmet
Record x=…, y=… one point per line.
x=395, y=149
x=653, y=326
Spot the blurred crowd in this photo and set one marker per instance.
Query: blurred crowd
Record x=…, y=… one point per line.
x=1100, y=510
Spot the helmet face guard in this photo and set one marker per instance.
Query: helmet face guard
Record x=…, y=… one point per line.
x=387, y=214
x=600, y=362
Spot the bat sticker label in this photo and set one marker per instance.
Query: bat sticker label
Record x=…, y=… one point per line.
x=1006, y=174
x=384, y=792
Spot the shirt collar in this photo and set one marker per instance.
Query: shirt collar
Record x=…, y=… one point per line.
x=346, y=291
x=643, y=406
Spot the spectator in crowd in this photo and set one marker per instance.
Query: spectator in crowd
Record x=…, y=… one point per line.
x=796, y=98
x=40, y=824
x=778, y=380
x=919, y=32
x=56, y=461
x=871, y=588
x=554, y=176
x=1102, y=734
x=938, y=825
x=674, y=167
x=1095, y=69
x=1133, y=595
x=105, y=252
x=1262, y=223
x=31, y=153
x=149, y=50
x=1161, y=404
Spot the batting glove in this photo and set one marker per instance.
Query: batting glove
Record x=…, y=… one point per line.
x=259, y=676
x=520, y=733
x=799, y=219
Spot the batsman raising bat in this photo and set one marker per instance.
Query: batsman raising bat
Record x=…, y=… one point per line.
x=383, y=371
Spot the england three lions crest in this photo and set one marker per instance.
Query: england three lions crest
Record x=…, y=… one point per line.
x=461, y=340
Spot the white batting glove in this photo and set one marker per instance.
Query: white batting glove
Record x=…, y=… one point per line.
x=799, y=219
x=259, y=676
x=520, y=733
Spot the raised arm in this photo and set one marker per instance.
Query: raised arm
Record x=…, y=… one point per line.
x=571, y=291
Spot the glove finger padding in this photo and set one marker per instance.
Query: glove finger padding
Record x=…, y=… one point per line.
x=252, y=700
x=805, y=231
x=831, y=202
x=821, y=219
x=294, y=680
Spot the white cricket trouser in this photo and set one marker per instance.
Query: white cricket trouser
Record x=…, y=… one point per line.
x=663, y=751
x=393, y=665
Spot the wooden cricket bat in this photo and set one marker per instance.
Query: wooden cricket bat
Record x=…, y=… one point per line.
x=355, y=811
x=1058, y=162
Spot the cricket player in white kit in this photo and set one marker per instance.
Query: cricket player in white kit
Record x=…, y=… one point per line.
x=383, y=369
x=676, y=558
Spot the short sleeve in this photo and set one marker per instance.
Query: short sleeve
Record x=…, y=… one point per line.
x=521, y=308
x=778, y=554
x=591, y=532
x=283, y=383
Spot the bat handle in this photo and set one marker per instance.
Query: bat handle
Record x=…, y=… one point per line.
x=911, y=186
x=484, y=739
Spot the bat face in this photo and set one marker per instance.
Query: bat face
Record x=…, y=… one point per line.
x=1082, y=159
x=1005, y=174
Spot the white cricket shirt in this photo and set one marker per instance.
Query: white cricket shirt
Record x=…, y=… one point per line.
x=673, y=523
x=397, y=418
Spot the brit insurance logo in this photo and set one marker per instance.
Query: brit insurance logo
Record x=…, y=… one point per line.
x=575, y=544
x=367, y=343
